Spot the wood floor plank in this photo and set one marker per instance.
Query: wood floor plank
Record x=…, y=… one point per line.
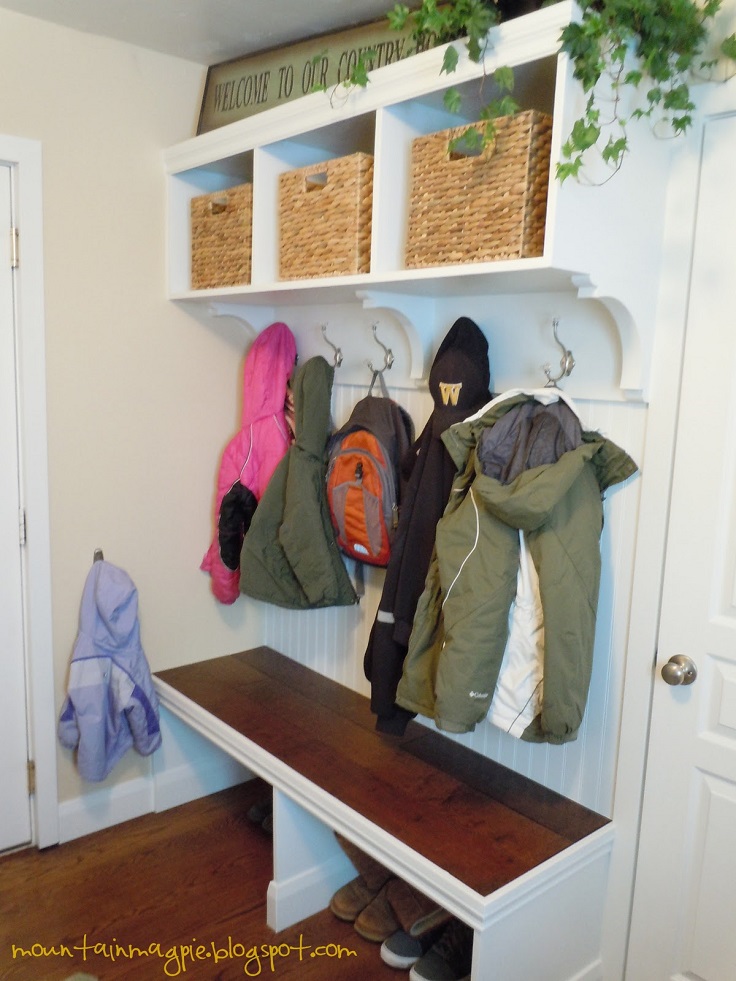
x=192, y=877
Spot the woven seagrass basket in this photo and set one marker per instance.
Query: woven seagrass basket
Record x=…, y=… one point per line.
x=221, y=237
x=325, y=218
x=485, y=207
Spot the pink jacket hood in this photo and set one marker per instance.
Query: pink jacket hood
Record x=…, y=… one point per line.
x=268, y=367
x=253, y=454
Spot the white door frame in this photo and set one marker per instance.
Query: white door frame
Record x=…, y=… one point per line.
x=24, y=158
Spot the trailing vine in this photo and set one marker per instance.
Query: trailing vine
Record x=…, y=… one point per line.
x=651, y=48
x=446, y=22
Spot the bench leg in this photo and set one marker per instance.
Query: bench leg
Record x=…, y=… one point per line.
x=484, y=963
x=308, y=865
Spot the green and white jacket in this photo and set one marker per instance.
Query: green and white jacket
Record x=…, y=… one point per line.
x=461, y=626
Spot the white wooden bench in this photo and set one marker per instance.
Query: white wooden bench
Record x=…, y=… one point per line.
x=524, y=867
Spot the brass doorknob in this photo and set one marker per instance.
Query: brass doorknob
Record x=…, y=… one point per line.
x=680, y=670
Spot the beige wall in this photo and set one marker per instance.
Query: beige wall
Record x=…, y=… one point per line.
x=141, y=396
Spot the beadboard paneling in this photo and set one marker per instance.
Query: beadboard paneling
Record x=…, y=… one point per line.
x=333, y=641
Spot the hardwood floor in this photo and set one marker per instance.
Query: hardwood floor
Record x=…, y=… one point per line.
x=150, y=896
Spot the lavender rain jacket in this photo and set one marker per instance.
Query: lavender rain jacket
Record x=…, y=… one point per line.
x=111, y=704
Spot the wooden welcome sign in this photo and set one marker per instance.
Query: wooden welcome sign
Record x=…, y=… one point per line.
x=243, y=87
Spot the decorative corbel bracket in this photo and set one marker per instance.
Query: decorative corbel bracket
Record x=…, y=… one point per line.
x=415, y=315
x=636, y=359
x=254, y=317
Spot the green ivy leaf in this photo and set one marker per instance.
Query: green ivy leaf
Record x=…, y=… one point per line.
x=452, y=100
x=584, y=135
x=449, y=62
x=681, y=124
x=728, y=47
x=398, y=17
x=614, y=150
x=678, y=98
x=618, y=53
x=359, y=74
x=489, y=132
x=711, y=8
x=505, y=106
x=571, y=169
x=504, y=78
x=469, y=144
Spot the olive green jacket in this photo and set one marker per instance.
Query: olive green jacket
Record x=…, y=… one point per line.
x=461, y=624
x=289, y=556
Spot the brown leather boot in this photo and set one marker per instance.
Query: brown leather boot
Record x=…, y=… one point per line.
x=416, y=914
x=351, y=899
x=372, y=872
x=377, y=921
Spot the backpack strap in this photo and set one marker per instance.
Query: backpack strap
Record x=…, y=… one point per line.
x=378, y=375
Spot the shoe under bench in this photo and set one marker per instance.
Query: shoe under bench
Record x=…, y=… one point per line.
x=523, y=866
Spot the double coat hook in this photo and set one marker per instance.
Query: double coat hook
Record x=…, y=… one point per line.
x=388, y=354
x=567, y=362
x=337, y=357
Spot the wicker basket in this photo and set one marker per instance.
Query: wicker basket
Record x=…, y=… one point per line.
x=325, y=218
x=221, y=237
x=485, y=207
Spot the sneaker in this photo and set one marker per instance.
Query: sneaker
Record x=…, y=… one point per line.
x=449, y=959
x=258, y=812
x=351, y=899
x=416, y=914
x=402, y=951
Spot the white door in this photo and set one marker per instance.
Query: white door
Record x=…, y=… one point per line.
x=684, y=914
x=15, y=813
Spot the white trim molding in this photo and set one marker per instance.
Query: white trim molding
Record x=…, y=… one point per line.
x=24, y=158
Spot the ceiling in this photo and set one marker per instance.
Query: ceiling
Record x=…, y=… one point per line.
x=205, y=31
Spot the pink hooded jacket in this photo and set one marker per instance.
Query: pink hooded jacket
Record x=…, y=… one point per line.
x=251, y=456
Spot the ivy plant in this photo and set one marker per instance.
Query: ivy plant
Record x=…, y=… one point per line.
x=651, y=48
x=439, y=23
x=648, y=51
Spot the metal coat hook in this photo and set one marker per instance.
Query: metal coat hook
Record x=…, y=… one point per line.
x=337, y=359
x=388, y=354
x=98, y=556
x=567, y=361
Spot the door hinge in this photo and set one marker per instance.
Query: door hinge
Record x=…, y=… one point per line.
x=22, y=526
x=31, y=778
x=14, y=248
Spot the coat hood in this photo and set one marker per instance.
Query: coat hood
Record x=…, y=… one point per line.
x=312, y=395
x=108, y=619
x=268, y=367
x=462, y=438
x=460, y=375
x=526, y=501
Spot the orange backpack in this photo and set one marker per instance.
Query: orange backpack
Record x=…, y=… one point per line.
x=363, y=478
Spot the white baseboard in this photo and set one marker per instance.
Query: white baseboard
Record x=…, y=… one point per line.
x=294, y=899
x=104, y=807
x=167, y=787
x=185, y=783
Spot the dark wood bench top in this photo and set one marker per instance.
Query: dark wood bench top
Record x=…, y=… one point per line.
x=478, y=820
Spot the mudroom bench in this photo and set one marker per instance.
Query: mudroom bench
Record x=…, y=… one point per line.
x=525, y=867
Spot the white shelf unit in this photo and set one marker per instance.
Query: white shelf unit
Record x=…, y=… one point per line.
x=589, y=251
